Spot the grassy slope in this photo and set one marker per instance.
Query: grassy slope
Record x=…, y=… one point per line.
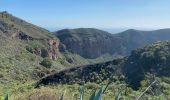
x=17, y=65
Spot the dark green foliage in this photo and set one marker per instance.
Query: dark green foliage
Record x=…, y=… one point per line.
x=152, y=59
x=89, y=73
x=29, y=49
x=47, y=62
x=6, y=97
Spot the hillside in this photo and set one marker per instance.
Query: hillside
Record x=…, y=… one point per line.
x=23, y=46
x=29, y=52
x=137, y=39
x=82, y=74
x=88, y=42
x=152, y=60
x=92, y=43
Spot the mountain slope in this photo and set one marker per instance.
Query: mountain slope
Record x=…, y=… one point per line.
x=153, y=59
x=89, y=43
x=23, y=46
x=133, y=39
x=17, y=24
x=92, y=43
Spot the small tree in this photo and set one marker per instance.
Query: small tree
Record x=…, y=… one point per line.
x=47, y=62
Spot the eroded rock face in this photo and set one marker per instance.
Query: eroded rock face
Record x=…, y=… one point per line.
x=53, y=49
x=89, y=43
x=50, y=51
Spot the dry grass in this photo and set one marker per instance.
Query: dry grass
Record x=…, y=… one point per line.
x=44, y=93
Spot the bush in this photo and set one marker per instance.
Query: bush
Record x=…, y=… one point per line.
x=29, y=49
x=46, y=63
x=1, y=75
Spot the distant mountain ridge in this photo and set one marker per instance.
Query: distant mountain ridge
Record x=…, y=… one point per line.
x=92, y=43
x=89, y=42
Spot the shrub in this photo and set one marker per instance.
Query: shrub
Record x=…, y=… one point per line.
x=1, y=75
x=29, y=49
x=47, y=62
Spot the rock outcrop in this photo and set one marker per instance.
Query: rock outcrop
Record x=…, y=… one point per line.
x=53, y=49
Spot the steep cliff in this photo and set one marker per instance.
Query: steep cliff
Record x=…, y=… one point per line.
x=93, y=43
x=90, y=43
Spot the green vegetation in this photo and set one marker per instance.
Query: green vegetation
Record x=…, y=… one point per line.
x=18, y=63
x=47, y=62
x=137, y=71
x=23, y=61
x=93, y=91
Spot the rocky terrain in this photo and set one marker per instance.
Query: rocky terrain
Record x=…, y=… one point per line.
x=92, y=43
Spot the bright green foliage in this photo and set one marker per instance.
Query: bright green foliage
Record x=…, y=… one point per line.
x=1, y=98
x=6, y=97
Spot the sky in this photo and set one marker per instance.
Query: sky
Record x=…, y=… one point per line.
x=108, y=14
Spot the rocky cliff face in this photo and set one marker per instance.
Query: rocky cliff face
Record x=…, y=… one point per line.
x=90, y=43
x=53, y=49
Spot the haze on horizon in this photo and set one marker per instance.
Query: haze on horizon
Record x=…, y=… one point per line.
x=106, y=14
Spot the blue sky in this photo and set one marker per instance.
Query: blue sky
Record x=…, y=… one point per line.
x=91, y=13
